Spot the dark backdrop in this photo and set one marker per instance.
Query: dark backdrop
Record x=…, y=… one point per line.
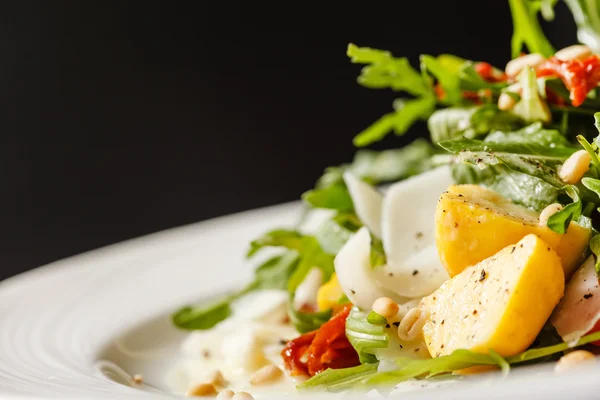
x=122, y=118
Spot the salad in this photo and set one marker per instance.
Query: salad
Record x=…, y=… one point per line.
x=473, y=251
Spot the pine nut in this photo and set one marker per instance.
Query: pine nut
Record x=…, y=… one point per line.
x=226, y=395
x=575, y=52
x=138, y=379
x=513, y=67
x=548, y=212
x=506, y=102
x=242, y=396
x=202, y=389
x=385, y=307
x=266, y=374
x=573, y=359
x=575, y=167
x=412, y=324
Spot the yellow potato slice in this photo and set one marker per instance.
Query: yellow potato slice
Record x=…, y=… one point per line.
x=501, y=303
x=473, y=223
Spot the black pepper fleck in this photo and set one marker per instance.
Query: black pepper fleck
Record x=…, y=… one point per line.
x=512, y=250
x=456, y=224
x=443, y=321
x=474, y=312
x=400, y=346
x=415, y=272
x=482, y=276
x=419, y=235
x=283, y=342
x=206, y=353
x=352, y=291
x=396, y=324
x=390, y=274
x=587, y=295
x=417, y=350
x=387, y=325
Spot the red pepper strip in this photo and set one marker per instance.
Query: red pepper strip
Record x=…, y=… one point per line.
x=487, y=72
x=327, y=347
x=579, y=76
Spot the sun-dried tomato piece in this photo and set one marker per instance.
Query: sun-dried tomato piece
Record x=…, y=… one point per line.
x=579, y=76
x=327, y=347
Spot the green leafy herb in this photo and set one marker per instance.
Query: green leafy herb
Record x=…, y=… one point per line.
x=448, y=79
x=308, y=321
x=364, y=336
x=276, y=238
x=587, y=18
x=406, y=114
x=470, y=122
x=592, y=150
x=375, y=319
x=522, y=189
x=411, y=368
x=203, y=317
x=311, y=255
x=595, y=248
x=273, y=274
x=460, y=359
x=527, y=30
x=332, y=236
x=533, y=133
x=502, y=363
x=385, y=71
x=334, y=197
x=335, y=380
x=377, y=255
x=559, y=221
x=393, y=165
x=531, y=107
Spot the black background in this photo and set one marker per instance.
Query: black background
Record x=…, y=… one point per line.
x=123, y=118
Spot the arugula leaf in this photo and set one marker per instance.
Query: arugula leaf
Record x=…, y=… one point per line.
x=375, y=319
x=335, y=380
x=531, y=107
x=586, y=14
x=502, y=363
x=385, y=71
x=534, y=133
x=592, y=151
x=595, y=248
x=273, y=274
x=393, y=165
x=377, y=254
x=410, y=368
x=522, y=189
x=470, y=122
x=311, y=255
x=332, y=236
x=203, y=317
x=334, y=197
x=364, y=336
x=527, y=30
x=308, y=321
x=471, y=80
x=449, y=80
x=559, y=222
x=406, y=114
x=276, y=238
x=460, y=359
x=529, y=158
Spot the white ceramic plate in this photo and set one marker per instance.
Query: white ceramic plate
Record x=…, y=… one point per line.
x=80, y=327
